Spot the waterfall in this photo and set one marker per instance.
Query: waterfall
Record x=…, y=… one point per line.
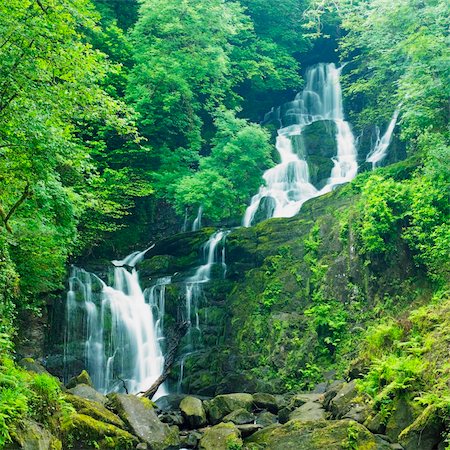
x=119, y=328
x=213, y=255
x=288, y=183
x=198, y=220
x=379, y=151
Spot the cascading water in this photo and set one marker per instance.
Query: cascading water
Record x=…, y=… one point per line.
x=288, y=183
x=213, y=254
x=198, y=220
x=379, y=151
x=120, y=328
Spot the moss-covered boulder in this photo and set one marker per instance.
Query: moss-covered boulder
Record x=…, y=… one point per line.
x=82, y=378
x=82, y=432
x=94, y=410
x=403, y=413
x=89, y=393
x=424, y=432
x=218, y=407
x=223, y=436
x=193, y=412
x=30, y=435
x=344, y=400
x=266, y=401
x=32, y=366
x=141, y=420
x=240, y=417
x=315, y=435
x=309, y=411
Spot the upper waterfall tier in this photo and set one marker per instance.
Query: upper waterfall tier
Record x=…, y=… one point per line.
x=287, y=185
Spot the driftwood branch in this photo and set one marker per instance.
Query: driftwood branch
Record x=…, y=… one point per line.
x=169, y=359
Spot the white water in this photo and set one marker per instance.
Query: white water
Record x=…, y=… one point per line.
x=121, y=330
x=288, y=183
x=213, y=254
x=198, y=220
x=379, y=151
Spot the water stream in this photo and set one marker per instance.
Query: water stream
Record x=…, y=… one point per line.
x=288, y=183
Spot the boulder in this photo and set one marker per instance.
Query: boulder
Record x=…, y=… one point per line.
x=359, y=413
x=240, y=417
x=266, y=418
x=32, y=366
x=94, y=410
x=344, y=400
x=30, y=435
x=424, y=432
x=403, y=414
x=193, y=412
x=376, y=424
x=309, y=411
x=300, y=399
x=218, y=407
x=221, y=437
x=331, y=392
x=169, y=402
x=141, y=420
x=89, y=393
x=316, y=435
x=82, y=432
x=248, y=429
x=82, y=378
x=190, y=439
x=265, y=401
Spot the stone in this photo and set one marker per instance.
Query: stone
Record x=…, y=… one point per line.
x=82, y=378
x=142, y=421
x=220, y=437
x=240, y=417
x=89, y=393
x=248, y=429
x=32, y=366
x=142, y=446
x=266, y=418
x=359, y=413
x=300, y=399
x=265, y=401
x=80, y=431
x=331, y=392
x=316, y=435
x=95, y=410
x=172, y=418
x=193, y=412
x=375, y=423
x=403, y=414
x=169, y=402
x=190, y=439
x=30, y=435
x=425, y=432
x=309, y=411
x=218, y=407
x=343, y=402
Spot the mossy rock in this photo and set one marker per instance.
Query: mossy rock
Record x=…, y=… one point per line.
x=82, y=432
x=220, y=406
x=263, y=400
x=31, y=365
x=82, y=378
x=315, y=435
x=424, y=432
x=29, y=435
x=240, y=417
x=221, y=437
x=95, y=410
x=89, y=393
x=193, y=412
x=141, y=419
x=404, y=411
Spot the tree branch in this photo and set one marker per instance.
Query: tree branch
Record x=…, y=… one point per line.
x=5, y=217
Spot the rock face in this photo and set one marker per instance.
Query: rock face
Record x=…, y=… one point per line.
x=220, y=406
x=193, y=412
x=316, y=435
x=221, y=437
x=143, y=422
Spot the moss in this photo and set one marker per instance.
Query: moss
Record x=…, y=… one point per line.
x=80, y=431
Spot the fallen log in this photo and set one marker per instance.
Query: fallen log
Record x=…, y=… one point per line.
x=169, y=359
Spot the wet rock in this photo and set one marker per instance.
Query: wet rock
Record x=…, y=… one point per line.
x=309, y=411
x=80, y=431
x=141, y=419
x=424, y=432
x=32, y=366
x=171, y=418
x=193, y=412
x=30, y=435
x=266, y=418
x=220, y=406
x=265, y=401
x=403, y=414
x=248, y=429
x=169, y=402
x=93, y=409
x=343, y=402
x=240, y=417
x=83, y=378
x=220, y=437
x=89, y=393
x=316, y=435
